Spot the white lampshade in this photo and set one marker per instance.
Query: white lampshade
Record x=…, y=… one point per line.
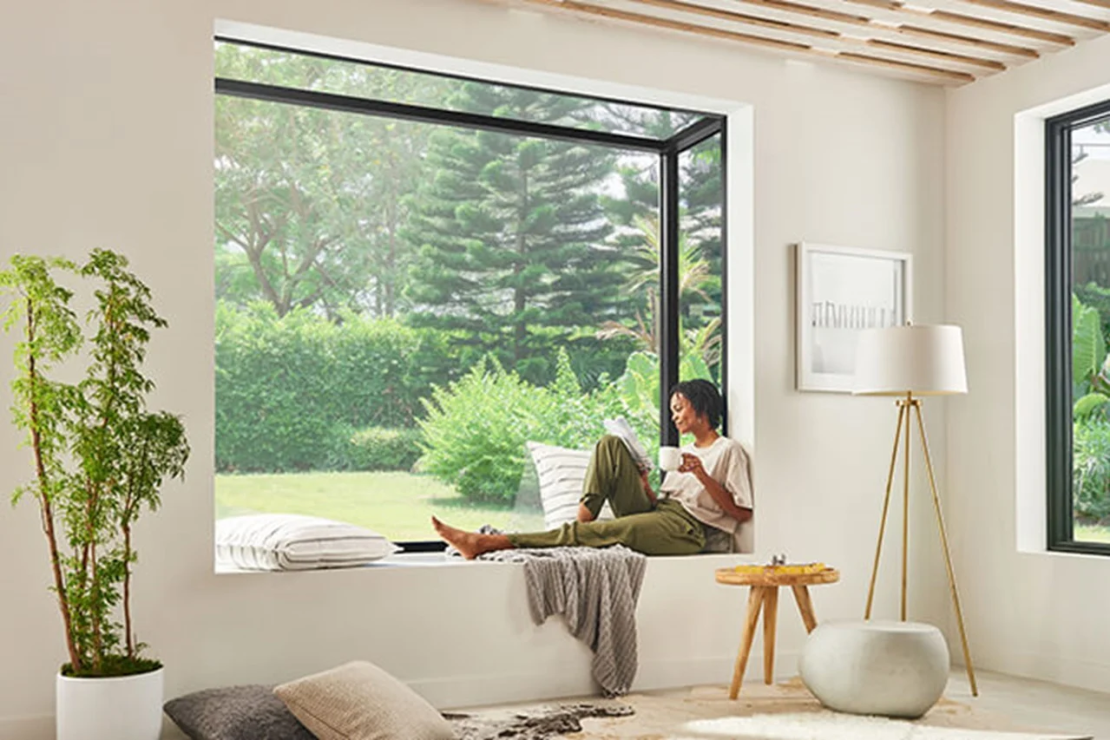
x=923, y=360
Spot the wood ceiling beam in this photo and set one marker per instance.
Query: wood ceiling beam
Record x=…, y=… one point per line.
x=937, y=73
x=729, y=15
x=967, y=20
x=930, y=33
x=804, y=30
x=896, y=7
x=1034, y=11
x=936, y=54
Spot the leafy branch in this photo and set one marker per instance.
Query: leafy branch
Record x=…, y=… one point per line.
x=100, y=456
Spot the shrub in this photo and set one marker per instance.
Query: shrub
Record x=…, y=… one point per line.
x=475, y=430
x=1091, y=468
x=380, y=448
x=476, y=427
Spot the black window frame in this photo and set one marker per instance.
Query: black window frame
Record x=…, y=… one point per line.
x=1058, y=329
x=669, y=151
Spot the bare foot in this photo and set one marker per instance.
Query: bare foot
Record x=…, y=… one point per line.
x=470, y=544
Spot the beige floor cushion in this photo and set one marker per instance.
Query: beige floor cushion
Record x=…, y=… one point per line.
x=360, y=701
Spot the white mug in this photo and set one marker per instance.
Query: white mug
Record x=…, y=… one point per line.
x=670, y=458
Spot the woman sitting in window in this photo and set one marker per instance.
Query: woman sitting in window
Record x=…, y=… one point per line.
x=712, y=486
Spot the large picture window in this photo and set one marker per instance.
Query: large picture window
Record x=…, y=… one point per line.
x=418, y=273
x=1077, y=329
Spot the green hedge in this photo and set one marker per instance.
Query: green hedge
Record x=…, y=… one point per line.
x=378, y=448
x=291, y=390
x=302, y=392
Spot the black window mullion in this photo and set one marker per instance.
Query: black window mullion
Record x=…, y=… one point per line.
x=1058, y=333
x=668, y=287
x=724, y=282
x=452, y=76
x=681, y=143
x=695, y=134
x=435, y=116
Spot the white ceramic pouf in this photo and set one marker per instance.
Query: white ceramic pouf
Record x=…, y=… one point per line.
x=894, y=669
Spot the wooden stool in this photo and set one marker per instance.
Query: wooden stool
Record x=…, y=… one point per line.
x=764, y=595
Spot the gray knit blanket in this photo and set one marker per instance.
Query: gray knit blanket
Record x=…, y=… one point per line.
x=595, y=589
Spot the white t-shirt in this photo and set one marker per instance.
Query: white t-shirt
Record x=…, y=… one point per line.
x=727, y=462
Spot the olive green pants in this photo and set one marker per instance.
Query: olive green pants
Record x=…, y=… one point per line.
x=666, y=529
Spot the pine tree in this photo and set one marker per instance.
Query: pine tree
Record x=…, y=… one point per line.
x=511, y=234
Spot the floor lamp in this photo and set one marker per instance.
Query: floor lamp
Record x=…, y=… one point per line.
x=908, y=362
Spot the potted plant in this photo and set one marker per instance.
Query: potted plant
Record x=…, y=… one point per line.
x=99, y=459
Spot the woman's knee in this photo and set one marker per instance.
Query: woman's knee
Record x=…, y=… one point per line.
x=610, y=443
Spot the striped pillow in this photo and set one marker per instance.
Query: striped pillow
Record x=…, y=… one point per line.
x=295, y=542
x=561, y=472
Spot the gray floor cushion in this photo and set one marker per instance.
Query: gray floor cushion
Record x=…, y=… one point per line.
x=236, y=713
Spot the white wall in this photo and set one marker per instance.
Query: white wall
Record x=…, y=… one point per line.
x=106, y=139
x=1030, y=613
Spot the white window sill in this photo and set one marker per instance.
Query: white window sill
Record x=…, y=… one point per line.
x=1062, y=555
x=439, y=559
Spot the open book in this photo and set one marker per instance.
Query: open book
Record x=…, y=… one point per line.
x=621, y=428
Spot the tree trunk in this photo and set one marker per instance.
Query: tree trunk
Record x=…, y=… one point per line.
x=45, y=507
x=127, y=591
x=520, y=298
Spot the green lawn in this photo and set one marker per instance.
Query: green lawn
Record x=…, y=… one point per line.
x=395, y=504
x=1091, y=533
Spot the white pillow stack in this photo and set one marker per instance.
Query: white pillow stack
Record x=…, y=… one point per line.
x=561, y=472
x=296, y=542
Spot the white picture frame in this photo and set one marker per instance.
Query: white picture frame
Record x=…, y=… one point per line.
x=840, y=291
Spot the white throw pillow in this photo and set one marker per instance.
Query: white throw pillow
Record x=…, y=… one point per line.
x=295, y=542
x=561, y=472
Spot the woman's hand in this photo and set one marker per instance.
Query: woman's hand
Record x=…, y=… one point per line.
x=647, y=487
x=691, y=464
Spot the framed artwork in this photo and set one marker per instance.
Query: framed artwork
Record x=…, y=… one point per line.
x=841, y=290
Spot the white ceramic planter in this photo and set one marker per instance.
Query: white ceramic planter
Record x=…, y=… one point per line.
x=125, y=708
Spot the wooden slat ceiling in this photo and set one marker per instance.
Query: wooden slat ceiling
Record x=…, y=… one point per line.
x=947, y=42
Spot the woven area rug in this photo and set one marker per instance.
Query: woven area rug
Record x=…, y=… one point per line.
x=784, y=711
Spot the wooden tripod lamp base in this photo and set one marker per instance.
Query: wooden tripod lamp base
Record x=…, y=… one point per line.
x=907, y=362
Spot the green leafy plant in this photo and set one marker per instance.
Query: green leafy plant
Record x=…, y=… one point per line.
x=1090, y=364
x=639, y=388
x=1094, y=295
x=100, y=457
x=475, y=428
x=1091, y=469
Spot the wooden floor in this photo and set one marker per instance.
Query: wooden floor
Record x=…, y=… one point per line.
x=1036, y=704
